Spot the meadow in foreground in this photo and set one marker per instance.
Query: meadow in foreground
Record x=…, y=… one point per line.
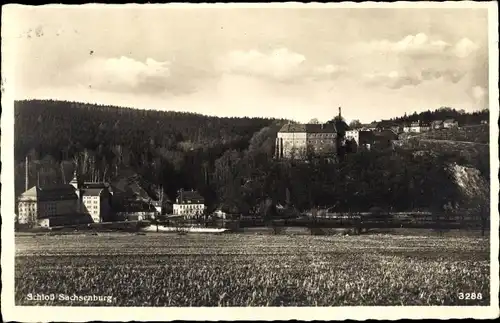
x=253, y=270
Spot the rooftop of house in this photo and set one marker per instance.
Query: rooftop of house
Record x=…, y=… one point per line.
x=100, y=185
x=385, y=134
x=51, y=193
x=92, y=191
x=449, y=121
x=309, y=128
x=189, y=197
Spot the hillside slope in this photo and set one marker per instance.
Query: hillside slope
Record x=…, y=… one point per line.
x=164, y=147
x=475, y=133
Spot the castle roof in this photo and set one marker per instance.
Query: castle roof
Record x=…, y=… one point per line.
x=51, y=193
x=309, y=128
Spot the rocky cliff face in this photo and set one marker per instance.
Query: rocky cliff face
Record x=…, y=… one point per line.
x=475, y=188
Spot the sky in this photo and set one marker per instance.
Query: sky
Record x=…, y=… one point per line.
x=294, y=63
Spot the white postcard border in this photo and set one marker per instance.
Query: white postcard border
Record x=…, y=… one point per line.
x=82, y=314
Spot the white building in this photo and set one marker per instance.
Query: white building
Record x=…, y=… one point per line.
x=94, y=199
x=189, y=204
x=41, y=204
x=220, y=214
x=450, y=123
x=352, y=135
x=437, y=124
x=45, y=202
x=296, y=140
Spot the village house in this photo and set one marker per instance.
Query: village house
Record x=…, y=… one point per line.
x=425, y=126
x=364, y=140
x=417, y=127
x=437, y=124
x=383, y=139
x=157, y=206
x=352, y=134
x=450, y=123
x=397, y=129
x=219, y=214
x=189, y=204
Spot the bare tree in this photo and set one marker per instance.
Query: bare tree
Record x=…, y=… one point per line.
x=354, y=124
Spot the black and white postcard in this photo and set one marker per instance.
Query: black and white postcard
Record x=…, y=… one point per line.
x=262, y=161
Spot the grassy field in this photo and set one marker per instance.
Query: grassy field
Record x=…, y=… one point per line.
x=252, y=270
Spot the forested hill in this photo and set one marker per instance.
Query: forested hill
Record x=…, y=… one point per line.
x=170, y=148
x=62, y=128
x=443, y=113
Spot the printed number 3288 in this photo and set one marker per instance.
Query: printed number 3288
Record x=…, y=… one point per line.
x=470, y=296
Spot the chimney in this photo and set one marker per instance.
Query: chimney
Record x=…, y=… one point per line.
x=340, y=112
x=26, y=184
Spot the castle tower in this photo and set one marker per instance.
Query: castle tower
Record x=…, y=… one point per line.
x=74, y=181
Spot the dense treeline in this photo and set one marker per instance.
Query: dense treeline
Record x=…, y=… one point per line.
x=170, y=148
x=392, y=180
x=443, y=113
x=229, y=160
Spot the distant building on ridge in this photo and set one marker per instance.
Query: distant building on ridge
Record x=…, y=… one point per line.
x=299, y=140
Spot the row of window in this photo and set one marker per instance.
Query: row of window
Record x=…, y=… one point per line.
x=313, y=142
x=186, y=212
x=324, y=135
x=315, y=135
x=183, y=206
x=28, y=206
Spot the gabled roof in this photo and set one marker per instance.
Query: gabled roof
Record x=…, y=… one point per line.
x=365, y=136
x=92, y=191
x=190, y=197
x=309, y=128
x=385, y=134
x=51, y=192
x=32, y=192
x=100, y=185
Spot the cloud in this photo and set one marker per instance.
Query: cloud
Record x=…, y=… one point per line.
x=279, y=64
x=415, y=59
x=329, y=71
x=397, y=79
x=123, y=74
x=480, y=96
x=411, y=44
x=421, y=45
x=464, y=48
x=392, y=80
